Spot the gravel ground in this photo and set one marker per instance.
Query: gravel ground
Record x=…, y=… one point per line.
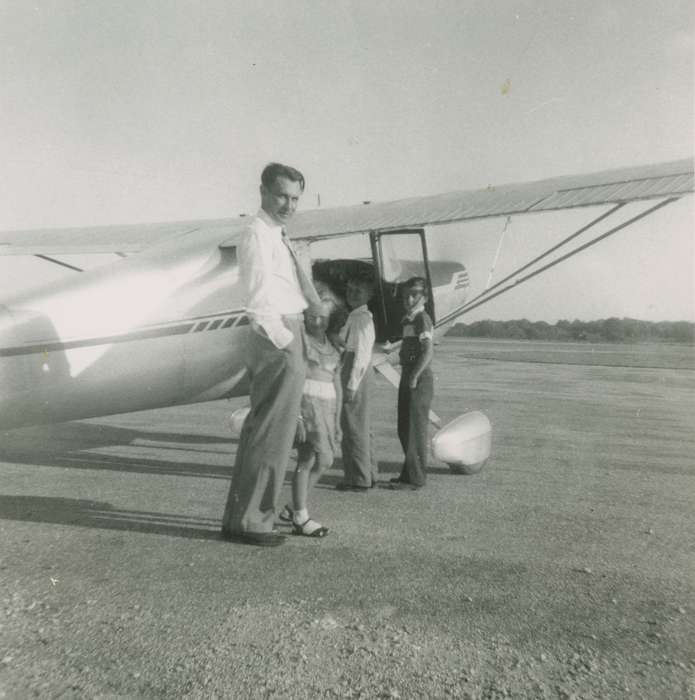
x=563, y=570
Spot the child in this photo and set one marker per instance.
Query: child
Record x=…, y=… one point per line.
x=316, y=428
x=416, y=386
x=357, y=337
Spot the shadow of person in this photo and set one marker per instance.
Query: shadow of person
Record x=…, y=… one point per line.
x=327, y=481
x=330, y=481
x=390, y=467
x=97, y=514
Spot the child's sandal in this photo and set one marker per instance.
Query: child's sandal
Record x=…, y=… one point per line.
x=310, y=528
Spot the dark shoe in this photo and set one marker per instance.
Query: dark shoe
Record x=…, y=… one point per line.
x=397, y=480
x=342, y=486
x=260, y=539
x=403, y=486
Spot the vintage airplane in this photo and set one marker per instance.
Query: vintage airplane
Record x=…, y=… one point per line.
x=165, y=325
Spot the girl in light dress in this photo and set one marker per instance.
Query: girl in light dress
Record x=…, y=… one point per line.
x=316, y=438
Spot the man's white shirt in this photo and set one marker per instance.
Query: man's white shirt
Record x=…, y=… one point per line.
x=269, y=279
x=358, y=336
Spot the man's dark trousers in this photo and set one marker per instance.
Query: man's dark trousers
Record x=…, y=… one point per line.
x=277, y=380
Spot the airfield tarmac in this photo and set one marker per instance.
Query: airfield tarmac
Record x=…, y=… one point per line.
x=565, y=569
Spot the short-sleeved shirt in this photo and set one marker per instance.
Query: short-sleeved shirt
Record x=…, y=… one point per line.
x=358, y=336
x=415, y=329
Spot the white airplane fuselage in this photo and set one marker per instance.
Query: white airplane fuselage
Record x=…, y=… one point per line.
x=163, y=327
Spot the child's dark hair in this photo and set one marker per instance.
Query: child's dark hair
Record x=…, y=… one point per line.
x=415, y=282
x=364, y=279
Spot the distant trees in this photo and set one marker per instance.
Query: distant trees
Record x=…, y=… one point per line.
x=609, y=330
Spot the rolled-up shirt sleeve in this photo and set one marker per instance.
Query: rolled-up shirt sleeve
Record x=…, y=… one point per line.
x=256, y=262
x=363, y=337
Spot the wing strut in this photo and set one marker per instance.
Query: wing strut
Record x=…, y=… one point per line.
x=497, y=255
x=58, y=262
x=477, y=301
x=583, y=229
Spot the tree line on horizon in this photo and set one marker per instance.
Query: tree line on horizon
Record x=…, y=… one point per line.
x=609, y=330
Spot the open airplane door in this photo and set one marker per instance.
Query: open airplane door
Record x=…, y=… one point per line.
x=398, y=256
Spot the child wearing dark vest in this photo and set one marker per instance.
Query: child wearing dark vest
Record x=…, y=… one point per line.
x=415, y=389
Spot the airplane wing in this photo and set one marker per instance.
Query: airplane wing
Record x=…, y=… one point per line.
x=657, y=185
x=671, y=179
x=663, y=180
x=123, y=240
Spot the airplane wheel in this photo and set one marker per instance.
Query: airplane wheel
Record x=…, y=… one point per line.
x=464, y=443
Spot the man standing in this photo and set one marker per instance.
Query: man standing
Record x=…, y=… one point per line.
x=276, y=291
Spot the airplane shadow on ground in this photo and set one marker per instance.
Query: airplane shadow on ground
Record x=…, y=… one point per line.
x=77, y=446
x=95, y=514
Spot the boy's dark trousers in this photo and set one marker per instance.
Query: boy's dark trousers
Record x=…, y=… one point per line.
x=413, y=420
x=355, y=424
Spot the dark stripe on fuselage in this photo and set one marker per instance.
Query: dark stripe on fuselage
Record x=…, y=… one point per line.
x=141, y=334
x=144, y=334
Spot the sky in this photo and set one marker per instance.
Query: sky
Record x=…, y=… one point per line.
x=165, y=110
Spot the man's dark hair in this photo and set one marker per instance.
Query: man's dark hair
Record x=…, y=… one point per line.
x=415, y=282
x=272, y=171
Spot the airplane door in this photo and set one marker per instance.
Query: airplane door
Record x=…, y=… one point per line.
x=398, y=255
